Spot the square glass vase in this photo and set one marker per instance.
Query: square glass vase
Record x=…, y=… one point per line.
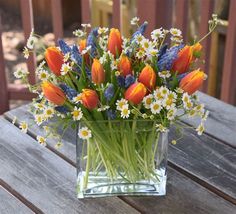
x=126, y=157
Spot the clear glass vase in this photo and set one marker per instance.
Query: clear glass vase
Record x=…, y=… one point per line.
x=121, y=158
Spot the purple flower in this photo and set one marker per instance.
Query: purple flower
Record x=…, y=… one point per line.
x=140, y=30
x=121, y=81
x=63, y=46
x=111, y=114
x=129, y=80
x=109, y=92
x=91, y=41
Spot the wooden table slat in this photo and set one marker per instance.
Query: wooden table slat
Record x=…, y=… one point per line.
x=45, y=179
x=9, y=204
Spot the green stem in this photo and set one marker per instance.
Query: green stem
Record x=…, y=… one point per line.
x=87, y=165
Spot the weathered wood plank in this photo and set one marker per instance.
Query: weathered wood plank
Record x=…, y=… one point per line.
x=45, y=179
x=9, y=204
x=57, y=18
x=221, y=122
x=183, y=197
x=213, y=166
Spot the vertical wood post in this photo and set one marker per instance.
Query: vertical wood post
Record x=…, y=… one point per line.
x=4, y=103
x=229, y=69
x=28, y=25
x=116, y=15
x=181, y=16
x=206, y=10
x=57, y=18
x=85, y=11
x=158, y=13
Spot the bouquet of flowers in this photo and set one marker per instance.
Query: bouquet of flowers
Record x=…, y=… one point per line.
x=124, y=93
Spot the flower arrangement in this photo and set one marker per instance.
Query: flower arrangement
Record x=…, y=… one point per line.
x=115, y=87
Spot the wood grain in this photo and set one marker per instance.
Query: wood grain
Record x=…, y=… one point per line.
x=221, y=123
x=45, y=179
x=183, y=197
x=9, y=204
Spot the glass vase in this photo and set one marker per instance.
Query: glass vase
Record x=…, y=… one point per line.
x=127, y=157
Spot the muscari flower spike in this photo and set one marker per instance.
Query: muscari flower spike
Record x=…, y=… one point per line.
x=91, y=41
x=129, y=80
x=162, y=50
x=109, y=92
x=166, y=60
x=121, y=81
x=70, y=92
x=140, y=30
x=62, y=109
x=111, y=114
x=63, y=46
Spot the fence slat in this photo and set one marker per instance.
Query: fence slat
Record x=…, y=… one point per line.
x=206, y=10
x=4, y=104
x=28, y=25
x=57, y=18
x=116, y=15
x=85, y=11
x=158, y=13
x=229, y=77
x=181, y=16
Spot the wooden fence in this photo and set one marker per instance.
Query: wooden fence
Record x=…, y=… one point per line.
x=158, y=13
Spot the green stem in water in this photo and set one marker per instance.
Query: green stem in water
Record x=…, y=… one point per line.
x=87, y=165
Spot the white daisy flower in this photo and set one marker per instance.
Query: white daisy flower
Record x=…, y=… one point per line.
x=134, y=21
x=169, y=103
x=157, y=34
x=205, y=115
x=140, y=54
x=139, y=38
x=23, y=126
x=26, y=53
x=164, y=91
x=192, y=113
x=199, y=108
x=185, y=98
x=103, y=108
x=31, y=40
x=78, y=99
x=86, y=25
x=147, y=100
x=125, y=112
x=66, y=57
x=85, y=133
x=164, y=74
x=39, y=119
x=179, y=90
x=176, y=40
x=65, y=68
x=86, y=50
x=39, y=106
x=171, y=114
x=175, y=32
x=79, y=33
x=41, y=140
x=102, y=30
x=188, y=105
x=200, y=129
x=146, y=44
x=77, y=113
x=121, y=103
x=20, y=73
x=43, y=74
x=158, y=95
x=155, y=107
x=48, y=112
x=161, y=128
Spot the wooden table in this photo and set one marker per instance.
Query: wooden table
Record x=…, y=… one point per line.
x=201, y=171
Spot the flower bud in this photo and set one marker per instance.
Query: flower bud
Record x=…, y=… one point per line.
x=53, y=93
x=148, y=77
x=54, y=60
x=98, y=74
x=135, y=93
x=192, y=81
x=115, y=42
x=125, y=66
x=89, y=98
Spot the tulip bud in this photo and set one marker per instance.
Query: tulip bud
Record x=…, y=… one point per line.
x=125, y=66
x=82, y=45
x=89, y=99
x=54, y=60
x=114, y=42
x=135, y=93
x=148, y=77
x=192, y=81
x=98, y=74
x=53, y=93
x=182, y=62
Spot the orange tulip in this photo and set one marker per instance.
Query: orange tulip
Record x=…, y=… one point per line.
x=148, y=77
x=115, y=42
x=54, y=60
x=82, y=45
x=89, y=98
x=196, y=50
x=135, y=93
x=192, y=81
x=53, y=93
x=181, y=64
x=124, y=66
x=98, y=74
